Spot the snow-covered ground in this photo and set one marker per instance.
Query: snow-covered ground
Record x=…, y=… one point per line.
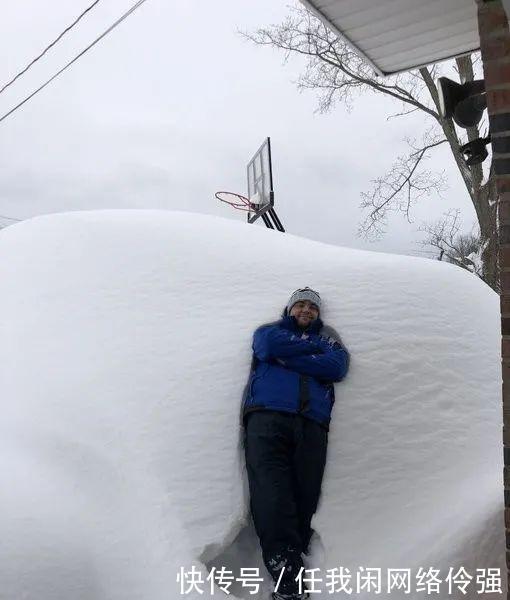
x=125, y=348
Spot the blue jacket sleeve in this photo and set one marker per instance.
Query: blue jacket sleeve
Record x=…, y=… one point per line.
x=331, y=366
x=272, y=342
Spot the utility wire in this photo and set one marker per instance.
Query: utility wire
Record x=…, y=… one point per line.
x=10, y=218
x=105, y=33
x=48, y=47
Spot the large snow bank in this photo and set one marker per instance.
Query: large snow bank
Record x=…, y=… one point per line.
x=125, y=348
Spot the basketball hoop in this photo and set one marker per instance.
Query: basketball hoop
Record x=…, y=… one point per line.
x=259, y=203
x=237, y=201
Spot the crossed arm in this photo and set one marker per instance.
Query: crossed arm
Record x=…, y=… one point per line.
x=319, y=359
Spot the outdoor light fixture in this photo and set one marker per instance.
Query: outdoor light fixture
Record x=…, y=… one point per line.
x=464, y=103
x=475, y=151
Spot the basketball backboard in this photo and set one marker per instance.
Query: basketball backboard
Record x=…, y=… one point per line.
x=260, y=182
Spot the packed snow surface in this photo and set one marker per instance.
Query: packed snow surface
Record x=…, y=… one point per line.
x=126, y=344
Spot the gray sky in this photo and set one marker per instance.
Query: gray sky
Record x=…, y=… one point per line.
x=170, y=107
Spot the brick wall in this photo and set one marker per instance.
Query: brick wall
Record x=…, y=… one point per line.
x=495, y=46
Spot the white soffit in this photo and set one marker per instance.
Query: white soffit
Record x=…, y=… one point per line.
x=399, y=35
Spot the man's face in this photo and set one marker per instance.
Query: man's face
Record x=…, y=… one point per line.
x=305, y=312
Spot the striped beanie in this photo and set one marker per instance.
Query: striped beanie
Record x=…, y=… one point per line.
x=304, y=294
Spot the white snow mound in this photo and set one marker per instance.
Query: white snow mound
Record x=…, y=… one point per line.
x=126, y=344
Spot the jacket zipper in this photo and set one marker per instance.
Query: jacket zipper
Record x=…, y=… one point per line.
x=304, y=393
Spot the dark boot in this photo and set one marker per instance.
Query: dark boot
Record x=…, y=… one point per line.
x=284, y=568
x=278, y=596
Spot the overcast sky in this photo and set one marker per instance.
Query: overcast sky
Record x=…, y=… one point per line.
x=170, y=107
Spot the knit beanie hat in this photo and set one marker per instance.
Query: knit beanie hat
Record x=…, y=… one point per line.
x=304, y=294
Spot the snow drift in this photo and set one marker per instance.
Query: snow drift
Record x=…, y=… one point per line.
x=125, y=349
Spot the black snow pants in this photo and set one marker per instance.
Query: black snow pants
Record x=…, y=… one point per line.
x=285, y=460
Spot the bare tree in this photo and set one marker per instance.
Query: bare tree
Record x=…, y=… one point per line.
x=337, y=73
x=449, y=244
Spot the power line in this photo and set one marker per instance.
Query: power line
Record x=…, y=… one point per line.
x=105, y=33
x=48, y=47
x=10, y=218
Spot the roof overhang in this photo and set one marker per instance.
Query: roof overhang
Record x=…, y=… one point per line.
x=400, y=35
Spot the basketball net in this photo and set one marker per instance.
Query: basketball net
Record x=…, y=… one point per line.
x=239, y=201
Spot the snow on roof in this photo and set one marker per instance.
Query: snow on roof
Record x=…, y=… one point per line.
x=125, y=348
x=400, y=35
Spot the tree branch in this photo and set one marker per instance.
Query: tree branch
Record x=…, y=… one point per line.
x=398, y=189
x=332, y=66
x=463, y=250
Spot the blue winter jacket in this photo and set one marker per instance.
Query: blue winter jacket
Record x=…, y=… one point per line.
x=293, y=371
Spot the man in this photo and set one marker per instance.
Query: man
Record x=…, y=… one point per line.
x=286, y=413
